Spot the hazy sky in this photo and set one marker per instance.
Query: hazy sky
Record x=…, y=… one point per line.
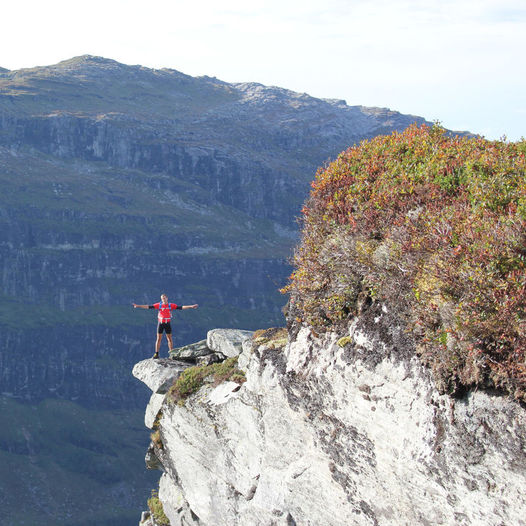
x=459, y=62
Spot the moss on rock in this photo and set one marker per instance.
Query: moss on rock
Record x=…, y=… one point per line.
x=156, y=509
x=193, y=378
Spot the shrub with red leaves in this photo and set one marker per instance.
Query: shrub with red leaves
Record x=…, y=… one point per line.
x=436, y=225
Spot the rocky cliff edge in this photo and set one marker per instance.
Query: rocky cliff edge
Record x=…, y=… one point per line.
x=334, y=430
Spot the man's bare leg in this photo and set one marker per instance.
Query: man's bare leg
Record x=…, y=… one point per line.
x=158, y=344
x=170, y=342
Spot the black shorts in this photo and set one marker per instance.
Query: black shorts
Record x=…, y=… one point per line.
x=166, y=327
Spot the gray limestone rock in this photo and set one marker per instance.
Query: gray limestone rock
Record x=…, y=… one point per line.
x=321, y=423
x=175, y=506
x=227, y=341
x=158, y=375
x=146, y=519
x=191, y=351
x=210, y=359
x=246, y=353
x=152, y=409
x=151, y=460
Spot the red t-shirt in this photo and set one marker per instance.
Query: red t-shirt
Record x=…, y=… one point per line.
x=165, y=314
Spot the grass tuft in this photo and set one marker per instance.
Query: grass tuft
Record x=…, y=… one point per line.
x=156, y=508
x=193, y=378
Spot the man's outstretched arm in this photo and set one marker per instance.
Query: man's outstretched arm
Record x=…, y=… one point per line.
x=135, y=306
x=189, y=306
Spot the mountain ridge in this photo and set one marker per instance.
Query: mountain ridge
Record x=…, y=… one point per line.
x=95, y=65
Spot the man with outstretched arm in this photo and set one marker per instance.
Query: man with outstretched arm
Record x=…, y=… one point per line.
x=163, y=319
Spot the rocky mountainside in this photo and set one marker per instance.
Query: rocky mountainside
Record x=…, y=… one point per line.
x=119, y=183
x=334, y=430
x=396, y=393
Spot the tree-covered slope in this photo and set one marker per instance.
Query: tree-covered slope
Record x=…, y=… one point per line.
x=64, y=464
x=435, y=226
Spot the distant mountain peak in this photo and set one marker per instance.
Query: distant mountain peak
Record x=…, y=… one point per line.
x=93, y=66
x=91, y=62
x=77, y=65
x=88, y=59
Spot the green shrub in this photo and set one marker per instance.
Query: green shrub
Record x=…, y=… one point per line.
x=193, y=378
x=435, y=224
x=156, y=508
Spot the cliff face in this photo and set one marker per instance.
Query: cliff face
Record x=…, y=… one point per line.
x=340, y=429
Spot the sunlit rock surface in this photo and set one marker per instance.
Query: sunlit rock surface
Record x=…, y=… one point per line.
x=340, y=432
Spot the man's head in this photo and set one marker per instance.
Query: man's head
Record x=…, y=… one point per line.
x=164, y=298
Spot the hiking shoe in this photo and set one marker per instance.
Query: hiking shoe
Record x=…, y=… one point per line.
x=156, y=356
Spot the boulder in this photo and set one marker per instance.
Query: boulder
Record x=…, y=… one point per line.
x=191, y=351
x=227, y=341
x=158, y=375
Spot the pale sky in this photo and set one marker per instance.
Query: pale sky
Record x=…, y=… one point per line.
x=459, y=62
